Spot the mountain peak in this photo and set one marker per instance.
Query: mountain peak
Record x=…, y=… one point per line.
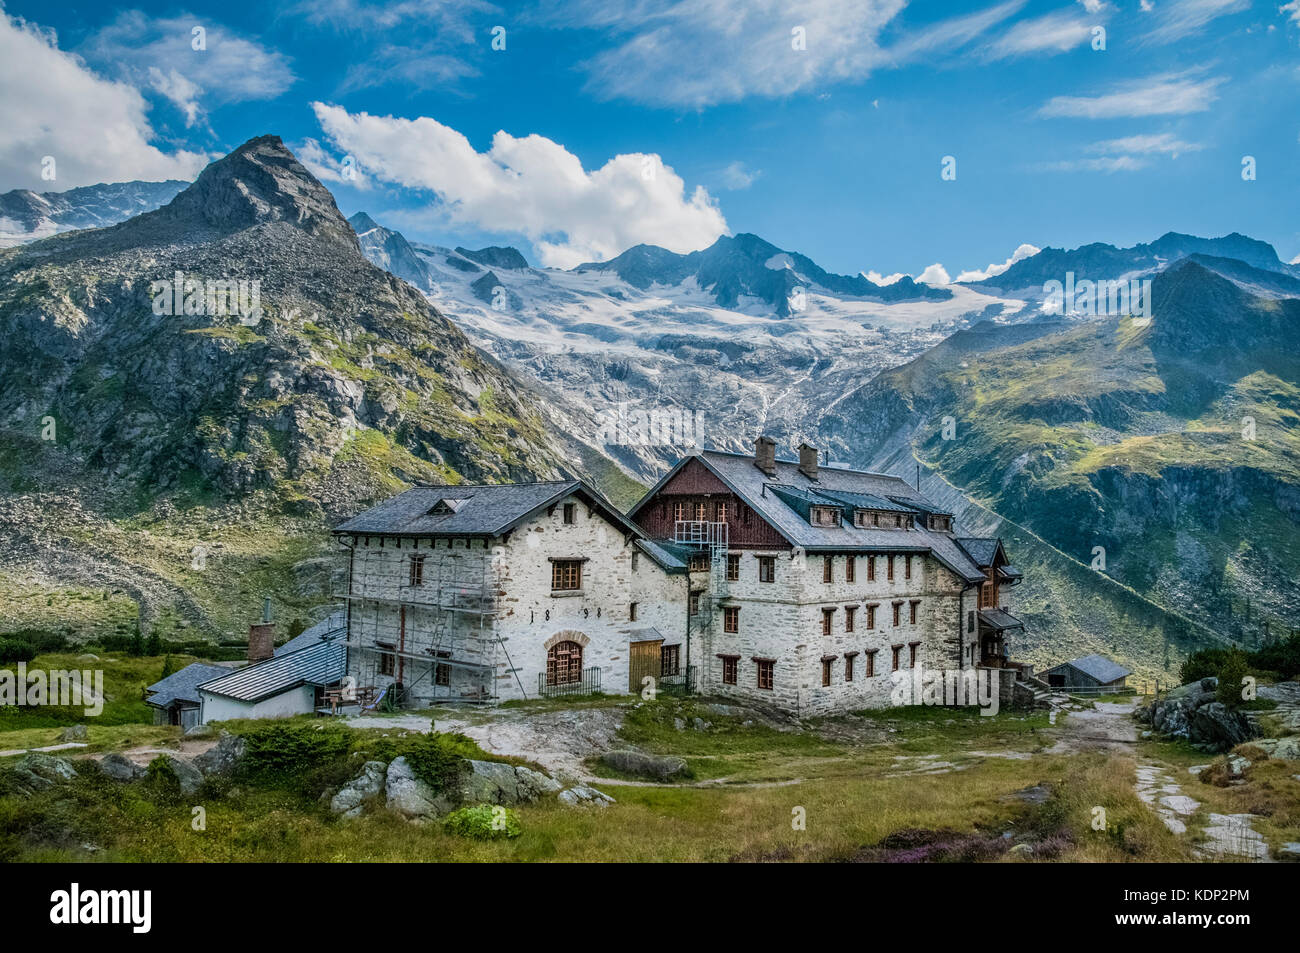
x=361, y=222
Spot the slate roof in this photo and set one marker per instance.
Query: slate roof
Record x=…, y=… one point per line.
x=999, y=620
x=982, y=549
x=321, y=664
x=334, y=625
x=486, y=510
x=1099, y=667
x=673, y=557
x=183, y=685
x=754, y=487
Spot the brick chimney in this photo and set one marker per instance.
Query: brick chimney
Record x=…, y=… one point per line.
x=261, y=636
x=808, y=461
x=765, y=455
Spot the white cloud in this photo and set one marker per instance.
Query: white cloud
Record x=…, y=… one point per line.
x=1292, y=10
x=1161, y=144
x=1052, y=33
x=1020, y=254
x=877, y=278
x=1182, y=18
x=328, y=167
x=950, y=34
x=936, y=274
x=1101, y=164
x=711, y=51
x=1162, y=95
x=531, y=186
x=159, y=54
x=737, y=177
x=95, y=129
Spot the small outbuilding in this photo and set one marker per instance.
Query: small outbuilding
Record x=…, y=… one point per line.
x=1091, y=671
x=175, y=699
x=290, y=683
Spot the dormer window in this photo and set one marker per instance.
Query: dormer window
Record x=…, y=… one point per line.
x=825, y=516
x=445, y=507
x=940, y=523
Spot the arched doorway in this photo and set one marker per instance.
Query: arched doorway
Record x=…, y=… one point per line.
x=564, y=663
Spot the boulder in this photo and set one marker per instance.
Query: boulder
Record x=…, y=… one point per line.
x=1284, y=749
x=200, y=731
x=39, y=772
x=223, y=757
x=583, y=796
x=189, y=776
x=120, y=767
x=658, y=767
x=493, y=782
x=411, y=797
x=74, y=733
x=1218, y=728
x=352, y=796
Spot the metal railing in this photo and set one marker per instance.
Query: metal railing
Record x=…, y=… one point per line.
x=589, y=684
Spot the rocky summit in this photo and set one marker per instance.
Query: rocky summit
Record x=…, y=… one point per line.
x=237, y=339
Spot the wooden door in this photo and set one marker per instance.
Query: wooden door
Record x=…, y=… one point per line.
x=643, y=660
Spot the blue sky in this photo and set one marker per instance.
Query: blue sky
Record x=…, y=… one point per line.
x=601, y=124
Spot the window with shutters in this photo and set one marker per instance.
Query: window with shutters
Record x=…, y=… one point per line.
x=871, y=615
x=896, y=650
x=898, y=612
x=871, y=664
x=850, y=615
x=566, y=575
x=827, y=665
x=670, y=657
x=828, y=621
x=911, y=653
x=730, y=666
x=913, y=610
x=848, y=666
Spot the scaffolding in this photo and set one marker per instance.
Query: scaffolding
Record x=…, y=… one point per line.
x=422, y=623
x=710, y=539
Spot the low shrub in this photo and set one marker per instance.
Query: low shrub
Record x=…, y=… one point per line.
x=281, y=752
x=483, y=822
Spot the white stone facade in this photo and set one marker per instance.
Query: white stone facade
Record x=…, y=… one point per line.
x=527, y=617
x=783, y=621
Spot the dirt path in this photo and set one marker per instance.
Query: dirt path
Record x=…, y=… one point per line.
x=1107, y=726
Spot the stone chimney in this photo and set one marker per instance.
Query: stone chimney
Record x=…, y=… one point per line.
x=765, y=455
x=261, y=636
x=808, y=461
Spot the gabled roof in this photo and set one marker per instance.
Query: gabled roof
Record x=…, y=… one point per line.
x=1099, y=667
x=183, y=685
x=754, y=486
x=321, y=664
x=983, y=550
x=486, y=510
